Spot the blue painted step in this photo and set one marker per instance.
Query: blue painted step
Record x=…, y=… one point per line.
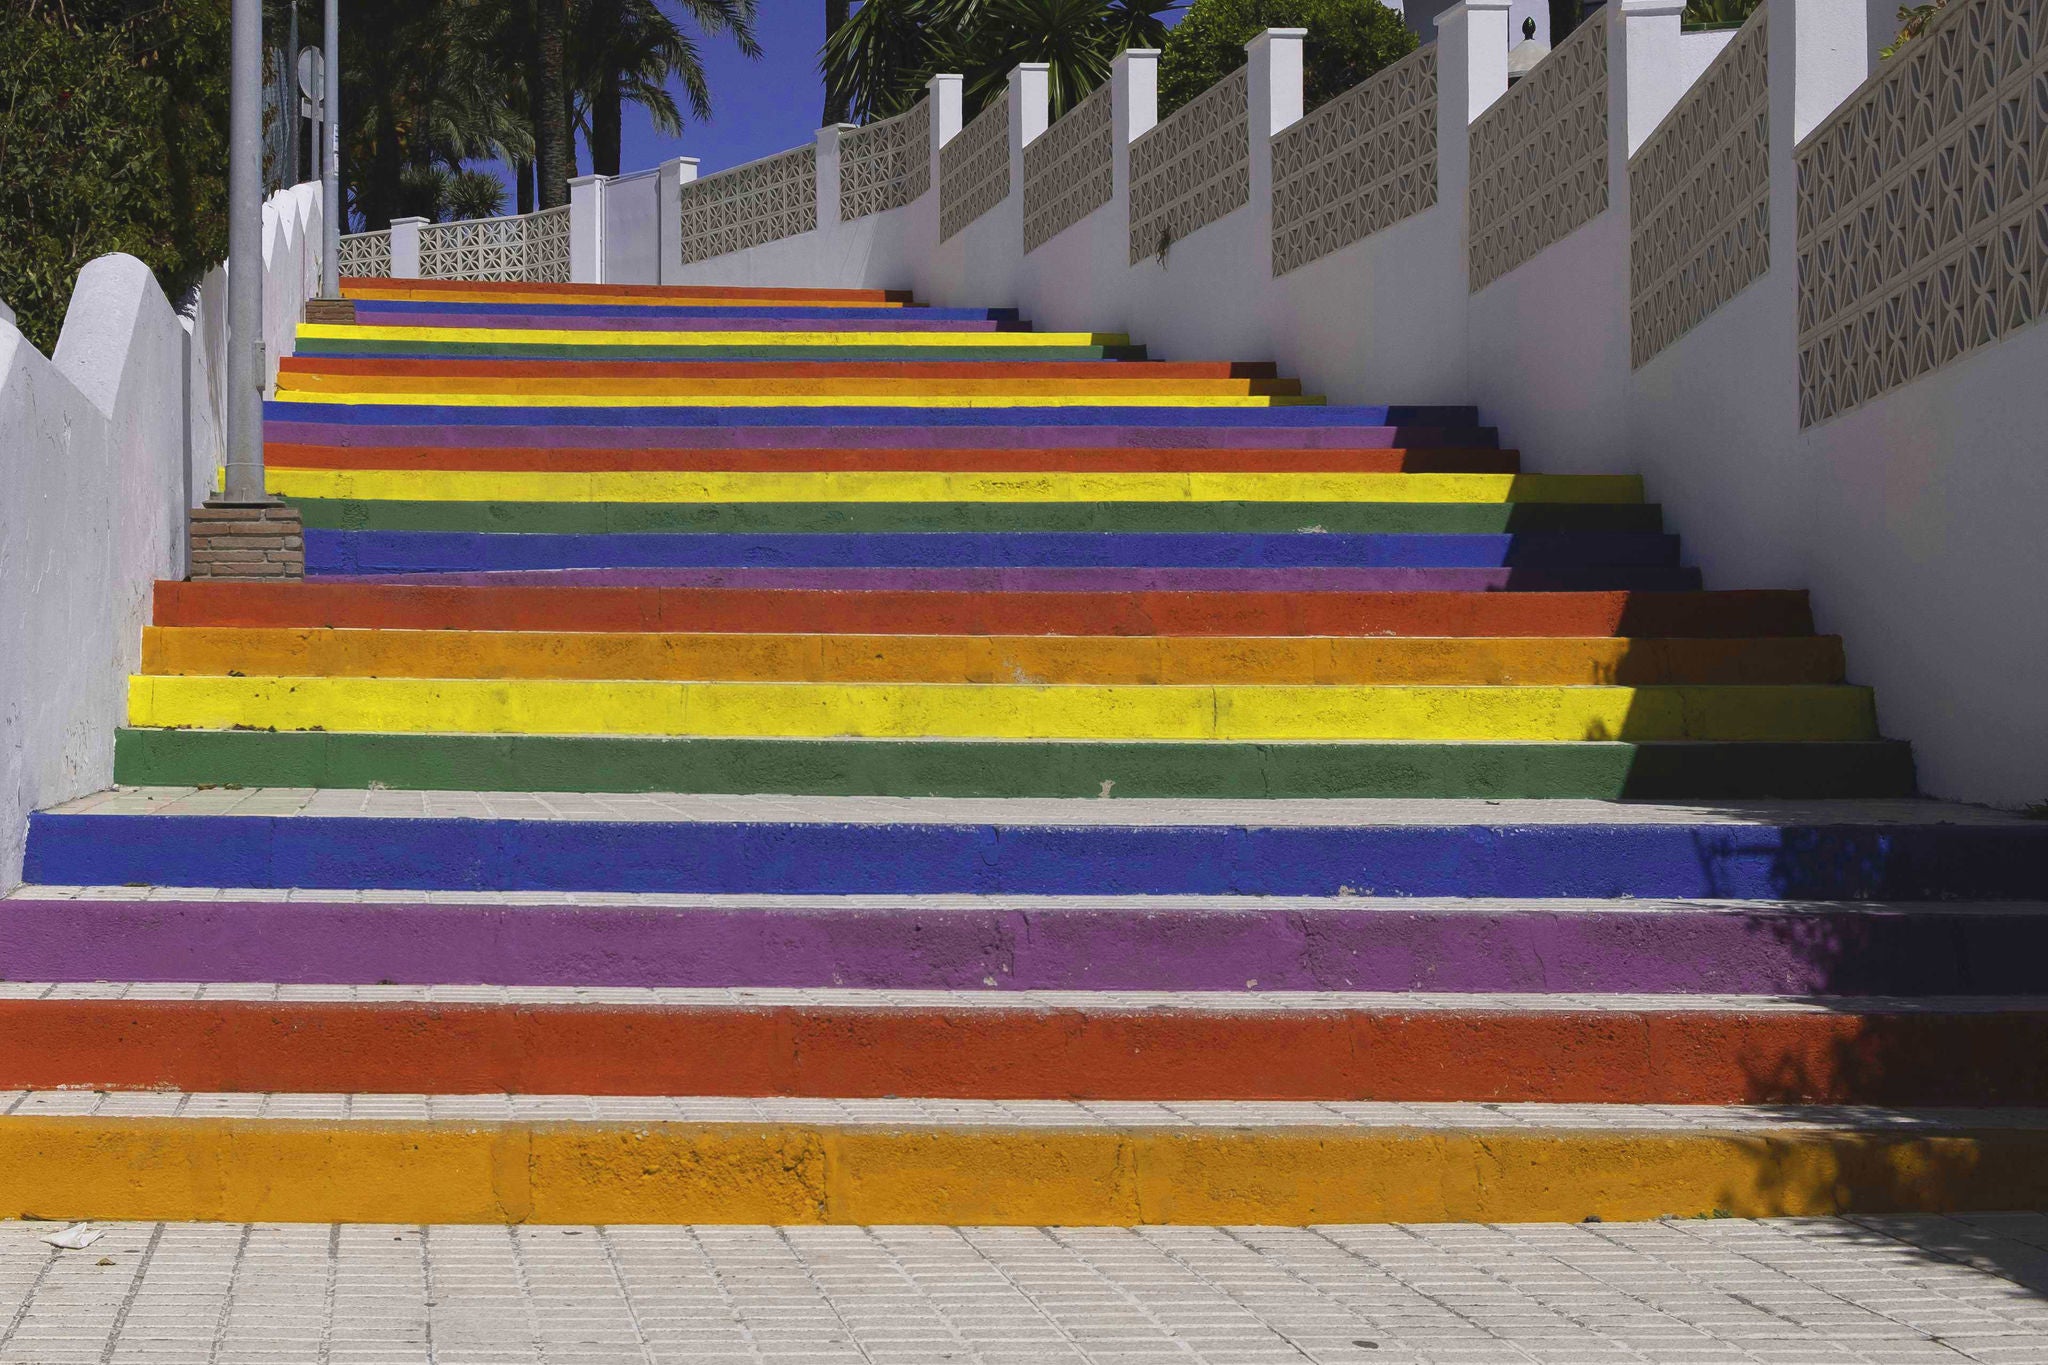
x=331, y=551
x=1741, y=861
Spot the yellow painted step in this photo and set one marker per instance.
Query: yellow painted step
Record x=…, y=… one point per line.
x=366, y=1170
x=709, y=656
x=341, y=331
x=977, y=710
x=435, y=485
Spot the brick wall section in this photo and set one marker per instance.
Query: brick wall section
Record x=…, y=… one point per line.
x=331, y=310
x=231, y=540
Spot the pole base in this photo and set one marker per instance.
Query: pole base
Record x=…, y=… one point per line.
x=247, y=540
x=341, y=311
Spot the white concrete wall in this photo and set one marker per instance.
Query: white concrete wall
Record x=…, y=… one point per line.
x=103, y=448
x=631, y=224
x=1913, y=518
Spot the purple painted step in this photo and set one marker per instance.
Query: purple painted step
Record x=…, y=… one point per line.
x=1653, y=579
x=1878, y=950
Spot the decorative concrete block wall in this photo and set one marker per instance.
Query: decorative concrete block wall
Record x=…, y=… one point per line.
x=1798, y=295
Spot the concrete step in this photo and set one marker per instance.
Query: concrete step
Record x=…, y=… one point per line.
x=458, y=312
x=1215, y=520
x=606, y=432
x=1065, y=1045
x=1588, y=769
x=542, y=383
x=748, y=340
x=939, y=544
x=1001, y=944
x=455, y=559
x=1347, y=423
x=548, y=603
x=1233, y=712
x=967, y=458
x=526, y=292
x=72, y=1154
x=1846, y=850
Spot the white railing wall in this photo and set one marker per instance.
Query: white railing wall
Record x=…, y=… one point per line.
x=885, y=165
x=366, y=254
x=1071, y=171
x=762, y=201
x=974, y=169
x=104, y=447
x=1700, y=197
x=1801, y=303
x=1192, y=168
x=528, y=247
x=1358, y=165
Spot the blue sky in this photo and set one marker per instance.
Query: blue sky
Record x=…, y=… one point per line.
x=757, y=107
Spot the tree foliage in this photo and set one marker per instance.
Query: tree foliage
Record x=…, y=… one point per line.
x=1347, y=41
x=878, y=62
x=113, y=123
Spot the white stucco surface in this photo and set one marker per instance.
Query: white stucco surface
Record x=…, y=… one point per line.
x=103, y=448
x=1912, y=518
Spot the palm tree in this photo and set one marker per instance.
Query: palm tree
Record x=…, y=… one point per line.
x=880, y=59
x=836, y=109
x=626, y=51
x=423, y=86
x=554, y=148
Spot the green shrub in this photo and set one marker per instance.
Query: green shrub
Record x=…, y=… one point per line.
x=1347, y=41
x=113, y=121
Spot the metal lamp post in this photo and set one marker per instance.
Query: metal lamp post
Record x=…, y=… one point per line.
x=331, y=207
x=245, y=368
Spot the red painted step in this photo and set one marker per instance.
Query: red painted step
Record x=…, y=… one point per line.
x=425, y=607
x=1632, y=1055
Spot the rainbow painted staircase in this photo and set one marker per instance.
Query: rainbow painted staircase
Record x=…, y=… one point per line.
x=787, y=755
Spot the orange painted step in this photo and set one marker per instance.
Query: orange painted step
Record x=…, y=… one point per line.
x=1113, y=459
x=522, y=607
x=1386, y=1053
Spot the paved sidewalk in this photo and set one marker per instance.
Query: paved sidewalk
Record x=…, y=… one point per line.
x=1888, y=1292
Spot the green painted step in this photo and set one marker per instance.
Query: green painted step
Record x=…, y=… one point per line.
x=565, y=518
x=868, y=767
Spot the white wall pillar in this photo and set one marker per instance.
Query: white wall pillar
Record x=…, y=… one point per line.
x=1030, y=115
x=405, y=248
x=944, y=93
x=1648, y=73
x=670, y=177
x=1881, y=25
x=1133, y=111
x=1273, y=101
x=1821, y=48
x=586, y=229
x=1646, y=79
x=828, y=174
x=1819, y=53
x=1471, y=73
